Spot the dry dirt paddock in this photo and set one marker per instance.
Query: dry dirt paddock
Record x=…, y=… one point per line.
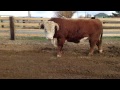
x=30, y=59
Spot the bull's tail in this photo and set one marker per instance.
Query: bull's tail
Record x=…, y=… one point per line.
x=100, y=42
x=101, y=36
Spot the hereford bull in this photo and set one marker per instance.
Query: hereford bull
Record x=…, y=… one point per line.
x=73, y=30
x=49, y=29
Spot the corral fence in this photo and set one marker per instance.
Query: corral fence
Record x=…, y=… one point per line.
x=20, y=26
x=24, y=26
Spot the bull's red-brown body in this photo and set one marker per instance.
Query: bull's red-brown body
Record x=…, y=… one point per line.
x=73, y=30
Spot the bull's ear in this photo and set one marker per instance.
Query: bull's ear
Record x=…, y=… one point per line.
x=41, y=26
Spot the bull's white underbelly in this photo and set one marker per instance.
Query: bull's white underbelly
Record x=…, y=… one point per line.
x=84, y=39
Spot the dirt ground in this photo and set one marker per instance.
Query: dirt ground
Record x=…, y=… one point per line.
x=28, y=59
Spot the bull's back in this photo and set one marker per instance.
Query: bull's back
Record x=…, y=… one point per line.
x=90, y=26
x=77, y=23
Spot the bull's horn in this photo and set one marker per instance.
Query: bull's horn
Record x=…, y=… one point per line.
x=57, y=26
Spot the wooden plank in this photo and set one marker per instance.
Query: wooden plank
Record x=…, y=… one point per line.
x=106, y=19
x=4, y=28
x=25, y=21
x=26, y=27
x=29, y=29
x=4, y=34
x=29, y=32
x=109, y=19
x=44, y=34
x=7, y=24
x=40, y=35
x=112, y=30
x=111, y=34
x=4, y=18
x=41, y=30
x=111, y=25
x=105, y=30
x=26, y=24
x=19, y=18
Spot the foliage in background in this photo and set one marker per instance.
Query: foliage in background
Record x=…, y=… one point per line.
x=67, y=14
x=117, y=14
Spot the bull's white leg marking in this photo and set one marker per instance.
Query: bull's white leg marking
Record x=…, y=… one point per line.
x=100, y=51
x=55, y=42
x=52, y=41
x=55, y=45
x=58, y=55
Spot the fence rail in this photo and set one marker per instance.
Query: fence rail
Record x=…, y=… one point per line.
x=31, y=25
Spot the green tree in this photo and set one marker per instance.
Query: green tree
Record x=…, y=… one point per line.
x=116, y=14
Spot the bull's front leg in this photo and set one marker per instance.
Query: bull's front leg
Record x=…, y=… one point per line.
x=60, y=43
x=54, y=42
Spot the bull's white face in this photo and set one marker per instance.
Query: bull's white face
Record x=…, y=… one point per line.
x=49, y=28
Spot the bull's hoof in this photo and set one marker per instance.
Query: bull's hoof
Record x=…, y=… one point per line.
x=90, y=54
x=58, y=55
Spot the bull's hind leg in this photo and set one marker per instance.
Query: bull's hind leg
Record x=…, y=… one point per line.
x=61, y=42
x=99, y=46
x=92, y=46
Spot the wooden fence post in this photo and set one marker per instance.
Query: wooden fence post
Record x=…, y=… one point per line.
x=12, y=34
